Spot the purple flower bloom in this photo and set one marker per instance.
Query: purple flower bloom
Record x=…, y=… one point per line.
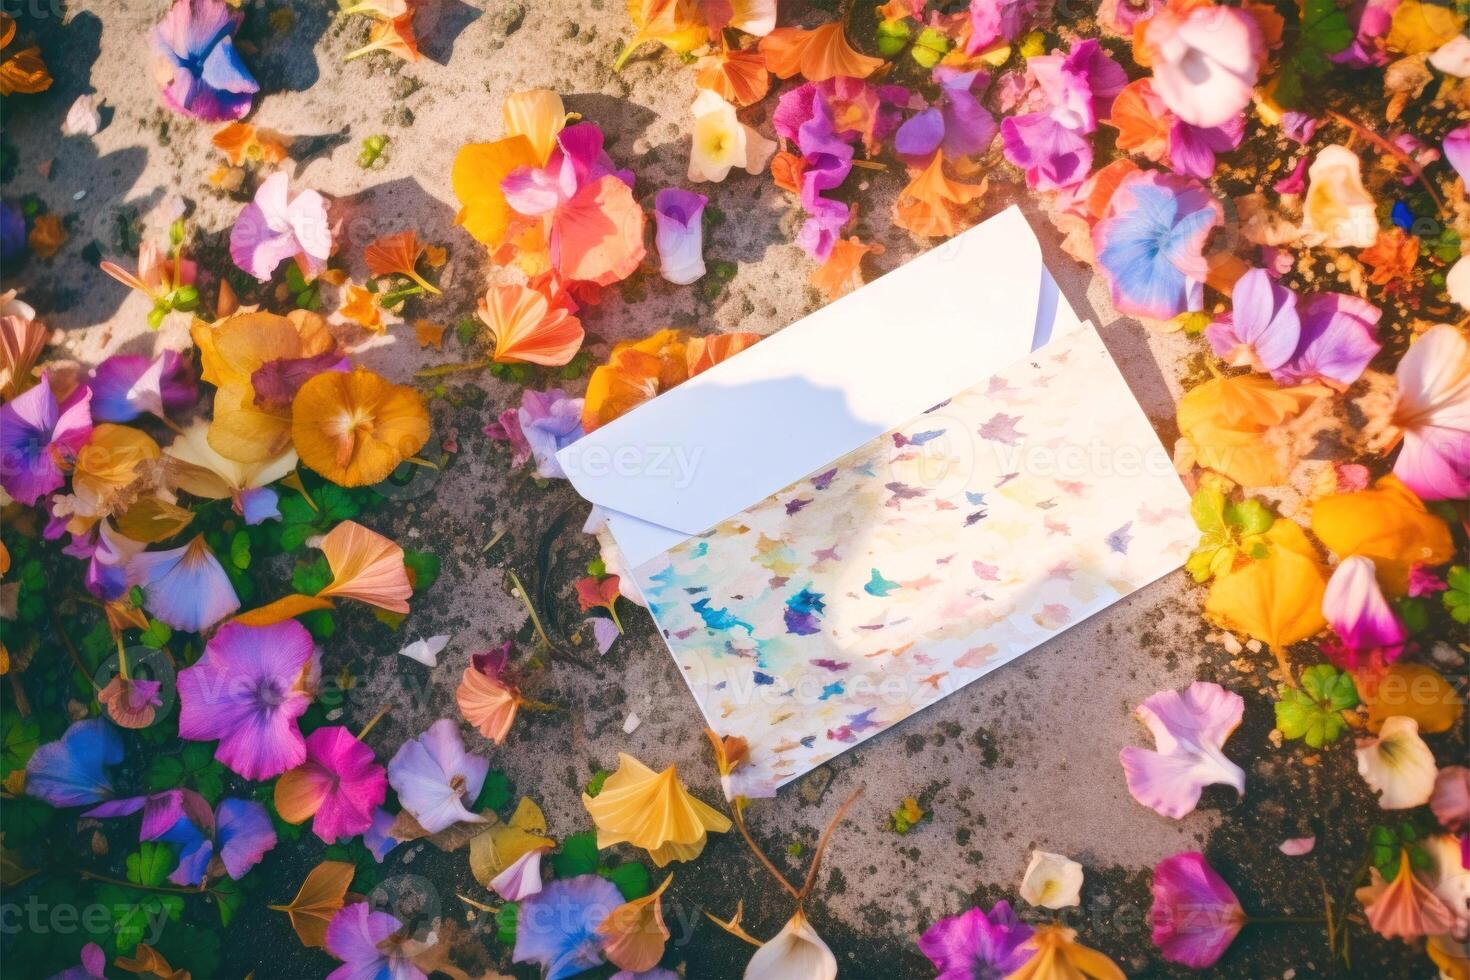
x=1371, y=20
x=93, y=965
x=992, y=21
x=434, y=775
x=1262, y=328
x=1079, y=86
x=1337, y=341
x=275, y=227
x=678, y=216
x=975, y=945
x=107, y=552
x=12, y=231
x=1457, y=150
x=957, y=124
x=358, y=937
x=199, y=72
x=557, y=927
x=187, y=587
x=245, y=692
x=72, y=770
x=37, y=436
x=1053, y=156
x=126, y=386
x=549, y=420
x=1192, y=149
x=1195, y=916
x=1150, y=244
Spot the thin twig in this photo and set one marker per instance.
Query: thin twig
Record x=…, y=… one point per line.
x=740, y=823
x=443, y=369
x=164, y=889
x=373, y=721
x=811, y=875
x=76, y=657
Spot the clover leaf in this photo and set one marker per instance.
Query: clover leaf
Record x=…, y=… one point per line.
x=1456, y=598
x=1313, y=712
x=1228, y=531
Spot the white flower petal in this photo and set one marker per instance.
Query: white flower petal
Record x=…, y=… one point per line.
x=795, y=953
x=426, y=652
x=1052, y=881
x=1398, y=765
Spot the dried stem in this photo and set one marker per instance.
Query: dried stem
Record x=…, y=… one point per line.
x=162, y=889
x=372, y=721
x=740, y=823
x=811, y=875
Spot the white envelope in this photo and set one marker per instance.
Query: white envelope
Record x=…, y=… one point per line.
x=730, y=436
x=886, y=500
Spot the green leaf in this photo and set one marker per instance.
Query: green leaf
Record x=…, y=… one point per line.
x=310, y=577
x=19, y=737
x=423, y=566
x=230, y=897
x=336, y=504
x=320, y=623
x=1413, y=613
x=1456, y=598
x=495, y=793
x=1228, y=530
x=631, y=877
x=295, y=510
x=505, y=922
x=594, y=785
x=150, y=864
x=1324, y=32
x=193, y=767
x=578, y=855
x=156, y=635
x=240, y=550
x=1313, y=712
x=136, y=919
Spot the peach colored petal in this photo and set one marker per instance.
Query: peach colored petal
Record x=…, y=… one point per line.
x=598, y=235
x=487, y=703
x=366, y=566
x=527, y=328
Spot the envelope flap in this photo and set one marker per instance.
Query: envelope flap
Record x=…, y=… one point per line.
x=806, y=395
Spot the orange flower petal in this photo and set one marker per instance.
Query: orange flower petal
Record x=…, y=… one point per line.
x=47, y=236
x=478, y=170
x=527, y=328
x=842, y=272
x=786, y=171
x=739, y=77
x=354, y=428
x=703, y=353
x=360, y=305
x=299, y=795
x=429, y=334
x=487, y=704
x=598, y=234
x=634, y=373
x=1388, y=524
x=932, y=205
x=284, y=608
x=366, y=566
x=1141, y=120
x=817, y=54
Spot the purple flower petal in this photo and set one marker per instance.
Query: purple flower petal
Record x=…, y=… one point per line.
x=258, y=504
x=1195, y=916
x=1079, y=87
x=1053, y=156
x=275, y=227
x=1262, y=329
x=357, y=936
x=244, y=834
x=1189, y=729
x=126, y=386
x=37, y=435
x=1457, y=150
x=549, y=421
x=976, y=945
x=72, y=771
x=199, y=70
x=1337, y=341
x=679, y=220
x=1192, y=149
x=243, y=691
x=377, y=838
x=557, y=927
x=434, y=776
x=187, y=587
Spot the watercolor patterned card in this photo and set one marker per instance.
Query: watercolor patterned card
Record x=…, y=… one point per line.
x=921, y=560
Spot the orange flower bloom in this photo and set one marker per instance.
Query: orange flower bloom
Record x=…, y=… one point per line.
x=1245, y=427
x=817, y=54
x=1404, y=908
x=23, y=339
x=842, y=272
x=398, y=254
x=527, y=328
x=675, y=24
x=366, y=566
x=394, y=36
x=241, y=141
x=354, y=428
x=932, y=205
x=488, y=703
x=47, y=236
x=1141, y=121
x=786, y=171
x=360, y=305
x=738, y=77
x=478, y=170
x=1391, y=257
x=634, y=373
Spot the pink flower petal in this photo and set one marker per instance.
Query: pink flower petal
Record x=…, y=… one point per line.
x=1195, y=916
x=1297, y=846
x=1359, y=614
x=1189, y=730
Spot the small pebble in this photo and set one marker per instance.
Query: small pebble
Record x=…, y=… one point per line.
x=631, y=724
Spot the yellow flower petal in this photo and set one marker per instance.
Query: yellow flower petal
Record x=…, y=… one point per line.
x=478, y=170
x=538, y=115
x=1276, y=599
x=355, y=427
x=652, y=811
x=1388, y=524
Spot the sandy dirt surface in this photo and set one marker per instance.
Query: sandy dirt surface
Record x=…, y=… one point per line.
x=1025, y=758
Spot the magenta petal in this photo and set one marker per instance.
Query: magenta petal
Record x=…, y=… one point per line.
x=1457, y=150
x=354, y=784
x=975, y=945
x=1359, y=614
x=244, y=834
x=1337, y=341
x=1195, y=916
x=1262, y=329
x=531, y=191
x=1053, y=156
x=1189, y=729
x=36, y=434
x=243, y=692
